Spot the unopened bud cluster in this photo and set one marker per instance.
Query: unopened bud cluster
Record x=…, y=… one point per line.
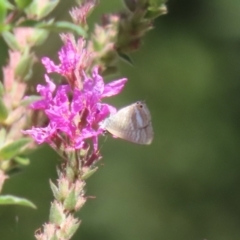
x=122, y=33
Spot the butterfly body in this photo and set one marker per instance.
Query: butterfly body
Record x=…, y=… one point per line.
x=131, y=123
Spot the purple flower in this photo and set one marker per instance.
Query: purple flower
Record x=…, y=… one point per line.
x=68, y=57
x=75, y=113
x=41, y=135
x=74, y=60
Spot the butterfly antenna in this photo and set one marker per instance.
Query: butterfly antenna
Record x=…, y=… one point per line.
x=106, y=137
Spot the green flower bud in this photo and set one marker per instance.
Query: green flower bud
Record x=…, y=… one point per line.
x=71, y=200
x=40, y=9
x=38, y=37
x=3, y=111
x=57, y=215
x=1, y=89
x=24, y=67
x=11, y=41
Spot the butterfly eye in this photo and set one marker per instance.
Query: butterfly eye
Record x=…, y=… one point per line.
x=140, y=104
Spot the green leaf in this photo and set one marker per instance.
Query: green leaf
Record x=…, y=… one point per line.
x=126, y=58
x=29, y=100
x=39, y=37
x=1, y=89
x=12, y=200
x=89, y=173
x=12, y=149
x=3, y=134
x=11, y=40
x=22, y=160
x=3, y=11
x=55, y=190
x=24, y=67
x=3, y=111
x=4, y=6
x=22, y=3
x=63, y=26
x=40, y=12
x=49, y=7
x=9, y=5
x=156, y=12
x=54, y=26
x=4, y=28
x=28, y=23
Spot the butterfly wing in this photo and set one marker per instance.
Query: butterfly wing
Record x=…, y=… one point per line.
x=132, y=123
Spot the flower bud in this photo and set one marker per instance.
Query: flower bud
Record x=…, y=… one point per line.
x=40, y=9
x=3, y=111
x=57, y=215
x=11, y=41
x=24, y=67
x=154, y=12
x=70, y=226
x=1, y=89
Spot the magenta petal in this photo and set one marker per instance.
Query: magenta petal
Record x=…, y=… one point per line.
x=41, y=135
x=79, y=144
x=41, y=104
x=114, y=87
x=49, y=65
x=104, y=111
x=61, y=95
x=46, y=91
x=94, y=85
x=78, y=102
x=68, y=55
x=99, y=83
x=95, y=143
x=87, y=133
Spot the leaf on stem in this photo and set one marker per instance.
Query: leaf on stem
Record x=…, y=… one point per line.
x=13, y=200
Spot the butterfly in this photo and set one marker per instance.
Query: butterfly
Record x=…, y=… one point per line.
x=131, y=123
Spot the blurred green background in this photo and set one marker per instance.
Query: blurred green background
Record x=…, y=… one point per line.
x=186, y=185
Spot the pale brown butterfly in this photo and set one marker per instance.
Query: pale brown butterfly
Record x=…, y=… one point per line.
x=131, y=123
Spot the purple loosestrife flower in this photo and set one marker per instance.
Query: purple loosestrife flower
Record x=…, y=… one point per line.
x=74, y=61
x=74, y=113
